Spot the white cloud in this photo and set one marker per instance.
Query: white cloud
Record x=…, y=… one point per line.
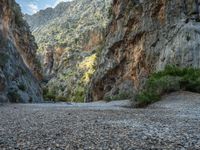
x=33, y=8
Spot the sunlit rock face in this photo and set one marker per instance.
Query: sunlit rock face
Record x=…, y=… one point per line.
x=18, y=63
x=143, y=37
x=70, y=38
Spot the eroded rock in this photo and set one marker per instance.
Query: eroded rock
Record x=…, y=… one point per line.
x=18, y=67
x=143, y=37
x=75, y=30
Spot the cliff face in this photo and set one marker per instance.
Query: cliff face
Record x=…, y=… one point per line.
x=18, y=61
x=143, y=37
x=69, y=38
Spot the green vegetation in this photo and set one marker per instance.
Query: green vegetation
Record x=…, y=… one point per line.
x=13, y=96
x=22, y=87
x=30, y=100
x=171, y=79
x=3, y=59
x=88, y=66
x=49, y=95
x=120, y=96
x=18, y=15
x=22, y=70
x=77, y=37
x=72, y=28
x=110, y=12
x=61, y=99
x=37, y=63
x=78, y=94
x=70, y=84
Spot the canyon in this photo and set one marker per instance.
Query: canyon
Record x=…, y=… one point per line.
x=100, y=51
x=103, y=50
x=94, y=50
x=70, y=38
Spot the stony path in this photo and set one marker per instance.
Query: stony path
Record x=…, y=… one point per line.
x=173, y=123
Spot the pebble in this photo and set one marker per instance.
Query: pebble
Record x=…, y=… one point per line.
x=60, y=127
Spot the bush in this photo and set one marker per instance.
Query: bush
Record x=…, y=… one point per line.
x=61, y=99
x=145, y=98
x=3, y=59
x=120, y=96
x=79, y=94
x=30, y=100
x=171, y=79
x=18, y=15
x=14, y=97
x=49, y=94
x=22, y=87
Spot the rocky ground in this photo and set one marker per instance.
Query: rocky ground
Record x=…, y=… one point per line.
x=170, y=124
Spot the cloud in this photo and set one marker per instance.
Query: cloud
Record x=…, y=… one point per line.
x=33, y=8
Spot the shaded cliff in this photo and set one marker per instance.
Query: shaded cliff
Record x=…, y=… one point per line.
x=143, y=37
x=18, y=63
x=70, y=38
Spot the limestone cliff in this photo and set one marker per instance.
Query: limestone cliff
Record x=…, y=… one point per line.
x=18, y=63
x=69, y=37
x=143, y=37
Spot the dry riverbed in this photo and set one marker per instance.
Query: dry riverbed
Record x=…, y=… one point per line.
x=173, y=123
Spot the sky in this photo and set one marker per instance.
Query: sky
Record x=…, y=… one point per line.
x=32, y=6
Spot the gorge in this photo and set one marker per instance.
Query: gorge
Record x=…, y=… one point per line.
x=70, y=38
x=98, y=50
x=135, y=64
x=126, y=42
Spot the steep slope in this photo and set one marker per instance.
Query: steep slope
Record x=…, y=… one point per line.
x=143, y=37
x=70, y=37
x=17, y=57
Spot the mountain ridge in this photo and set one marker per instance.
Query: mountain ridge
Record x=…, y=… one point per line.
x=69, y=38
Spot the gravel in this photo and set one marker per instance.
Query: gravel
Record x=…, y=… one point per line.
x=169, y=124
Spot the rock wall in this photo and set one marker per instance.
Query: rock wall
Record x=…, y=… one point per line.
x=143, y=37
x=69, y=37
x=18, y=63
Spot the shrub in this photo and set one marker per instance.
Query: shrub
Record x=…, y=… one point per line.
x=30, y=100
x=145, y=98
x=13, y=96
x=120, y=96
x=18, y=15
x=171, y=79
x=3, y=59
x=49, y=94
x=110, y=12
x=61, y=99
x=78, y=94
x=22, y=87
x=22, y=70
